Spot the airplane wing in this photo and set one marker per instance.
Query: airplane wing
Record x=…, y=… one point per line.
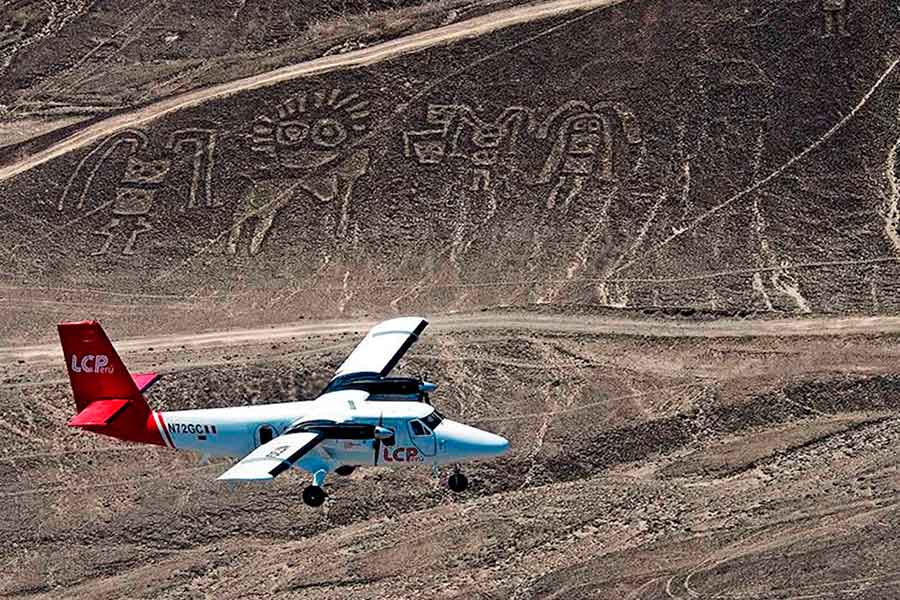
x=383, y=347
x=273, y=458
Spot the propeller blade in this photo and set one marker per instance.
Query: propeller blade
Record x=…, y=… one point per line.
x=377, y=445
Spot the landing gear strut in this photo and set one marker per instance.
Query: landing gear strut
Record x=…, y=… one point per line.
x=314, y=496
x=458, y=482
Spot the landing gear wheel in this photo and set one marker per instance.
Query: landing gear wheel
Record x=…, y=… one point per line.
x=458, y=482
x=313, y=495
x=344, y=470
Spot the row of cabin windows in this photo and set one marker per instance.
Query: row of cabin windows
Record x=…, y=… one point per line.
x=423, y=427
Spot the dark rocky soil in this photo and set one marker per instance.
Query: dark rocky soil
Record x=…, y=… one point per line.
x=86, y=53
x=680, y=160
x=639, y=468
x=644, y=155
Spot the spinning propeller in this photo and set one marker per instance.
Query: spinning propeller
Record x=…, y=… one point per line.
x=425, y=386
x=382, y=433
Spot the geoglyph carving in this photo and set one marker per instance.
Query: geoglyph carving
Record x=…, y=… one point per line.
x=142, y=176
x=583, y=146
x=456, y=132
x=202, y=145
x=584, y=138
x=306, y=145
x=835, y=15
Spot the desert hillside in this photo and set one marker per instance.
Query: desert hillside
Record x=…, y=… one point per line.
x=657, y=242
x=639, y=155
x=63, y=62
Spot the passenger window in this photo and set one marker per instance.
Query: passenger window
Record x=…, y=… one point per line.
x=417, y=428
x=266, y=434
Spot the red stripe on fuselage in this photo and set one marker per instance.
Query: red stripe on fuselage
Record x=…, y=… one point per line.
x=165, y=429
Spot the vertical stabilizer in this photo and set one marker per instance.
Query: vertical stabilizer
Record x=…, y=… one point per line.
x=95, y=370
x=108, y=398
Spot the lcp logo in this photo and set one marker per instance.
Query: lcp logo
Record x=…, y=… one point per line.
x=91, y=363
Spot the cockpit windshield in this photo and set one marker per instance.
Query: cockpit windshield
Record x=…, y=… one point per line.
x=433, y=420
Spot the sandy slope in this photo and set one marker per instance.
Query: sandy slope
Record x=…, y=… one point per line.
x=358, y=58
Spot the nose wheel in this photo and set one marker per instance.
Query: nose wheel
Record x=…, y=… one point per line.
x=458, y=482
x=314, y=496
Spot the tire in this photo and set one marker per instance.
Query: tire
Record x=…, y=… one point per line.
x=344, y=470
x=458, y=482
x=313, y=496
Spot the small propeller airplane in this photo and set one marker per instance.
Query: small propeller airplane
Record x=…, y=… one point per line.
x=362, y=417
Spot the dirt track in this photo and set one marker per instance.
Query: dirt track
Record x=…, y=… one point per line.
x=358, y=58
x=642, y=467
x=705, y=220
x=668, y=440
x=535, y=324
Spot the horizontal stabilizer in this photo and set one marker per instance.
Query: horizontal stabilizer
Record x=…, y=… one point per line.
x=98, y=413
x=143, y=381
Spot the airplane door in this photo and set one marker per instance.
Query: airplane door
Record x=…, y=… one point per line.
x=422, y=437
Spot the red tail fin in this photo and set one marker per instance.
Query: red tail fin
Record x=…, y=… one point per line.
x=108, y=398
x=95, y=370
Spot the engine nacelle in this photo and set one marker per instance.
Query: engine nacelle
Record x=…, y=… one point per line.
x=383, y=433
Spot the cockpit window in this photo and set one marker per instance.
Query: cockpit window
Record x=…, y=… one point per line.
x=417, y=428
x=433, y=420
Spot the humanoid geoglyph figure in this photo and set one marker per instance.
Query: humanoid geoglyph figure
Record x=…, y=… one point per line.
x=835, y=12
x=306, y=147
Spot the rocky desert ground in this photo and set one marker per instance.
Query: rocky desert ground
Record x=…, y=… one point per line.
x=657, y=242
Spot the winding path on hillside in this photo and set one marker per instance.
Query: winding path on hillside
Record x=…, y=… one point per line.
x=357, y=58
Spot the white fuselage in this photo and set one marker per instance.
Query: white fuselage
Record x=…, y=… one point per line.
x=237, y=431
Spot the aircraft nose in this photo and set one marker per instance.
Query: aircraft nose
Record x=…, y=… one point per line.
x=464, y=441
x=493, y=443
